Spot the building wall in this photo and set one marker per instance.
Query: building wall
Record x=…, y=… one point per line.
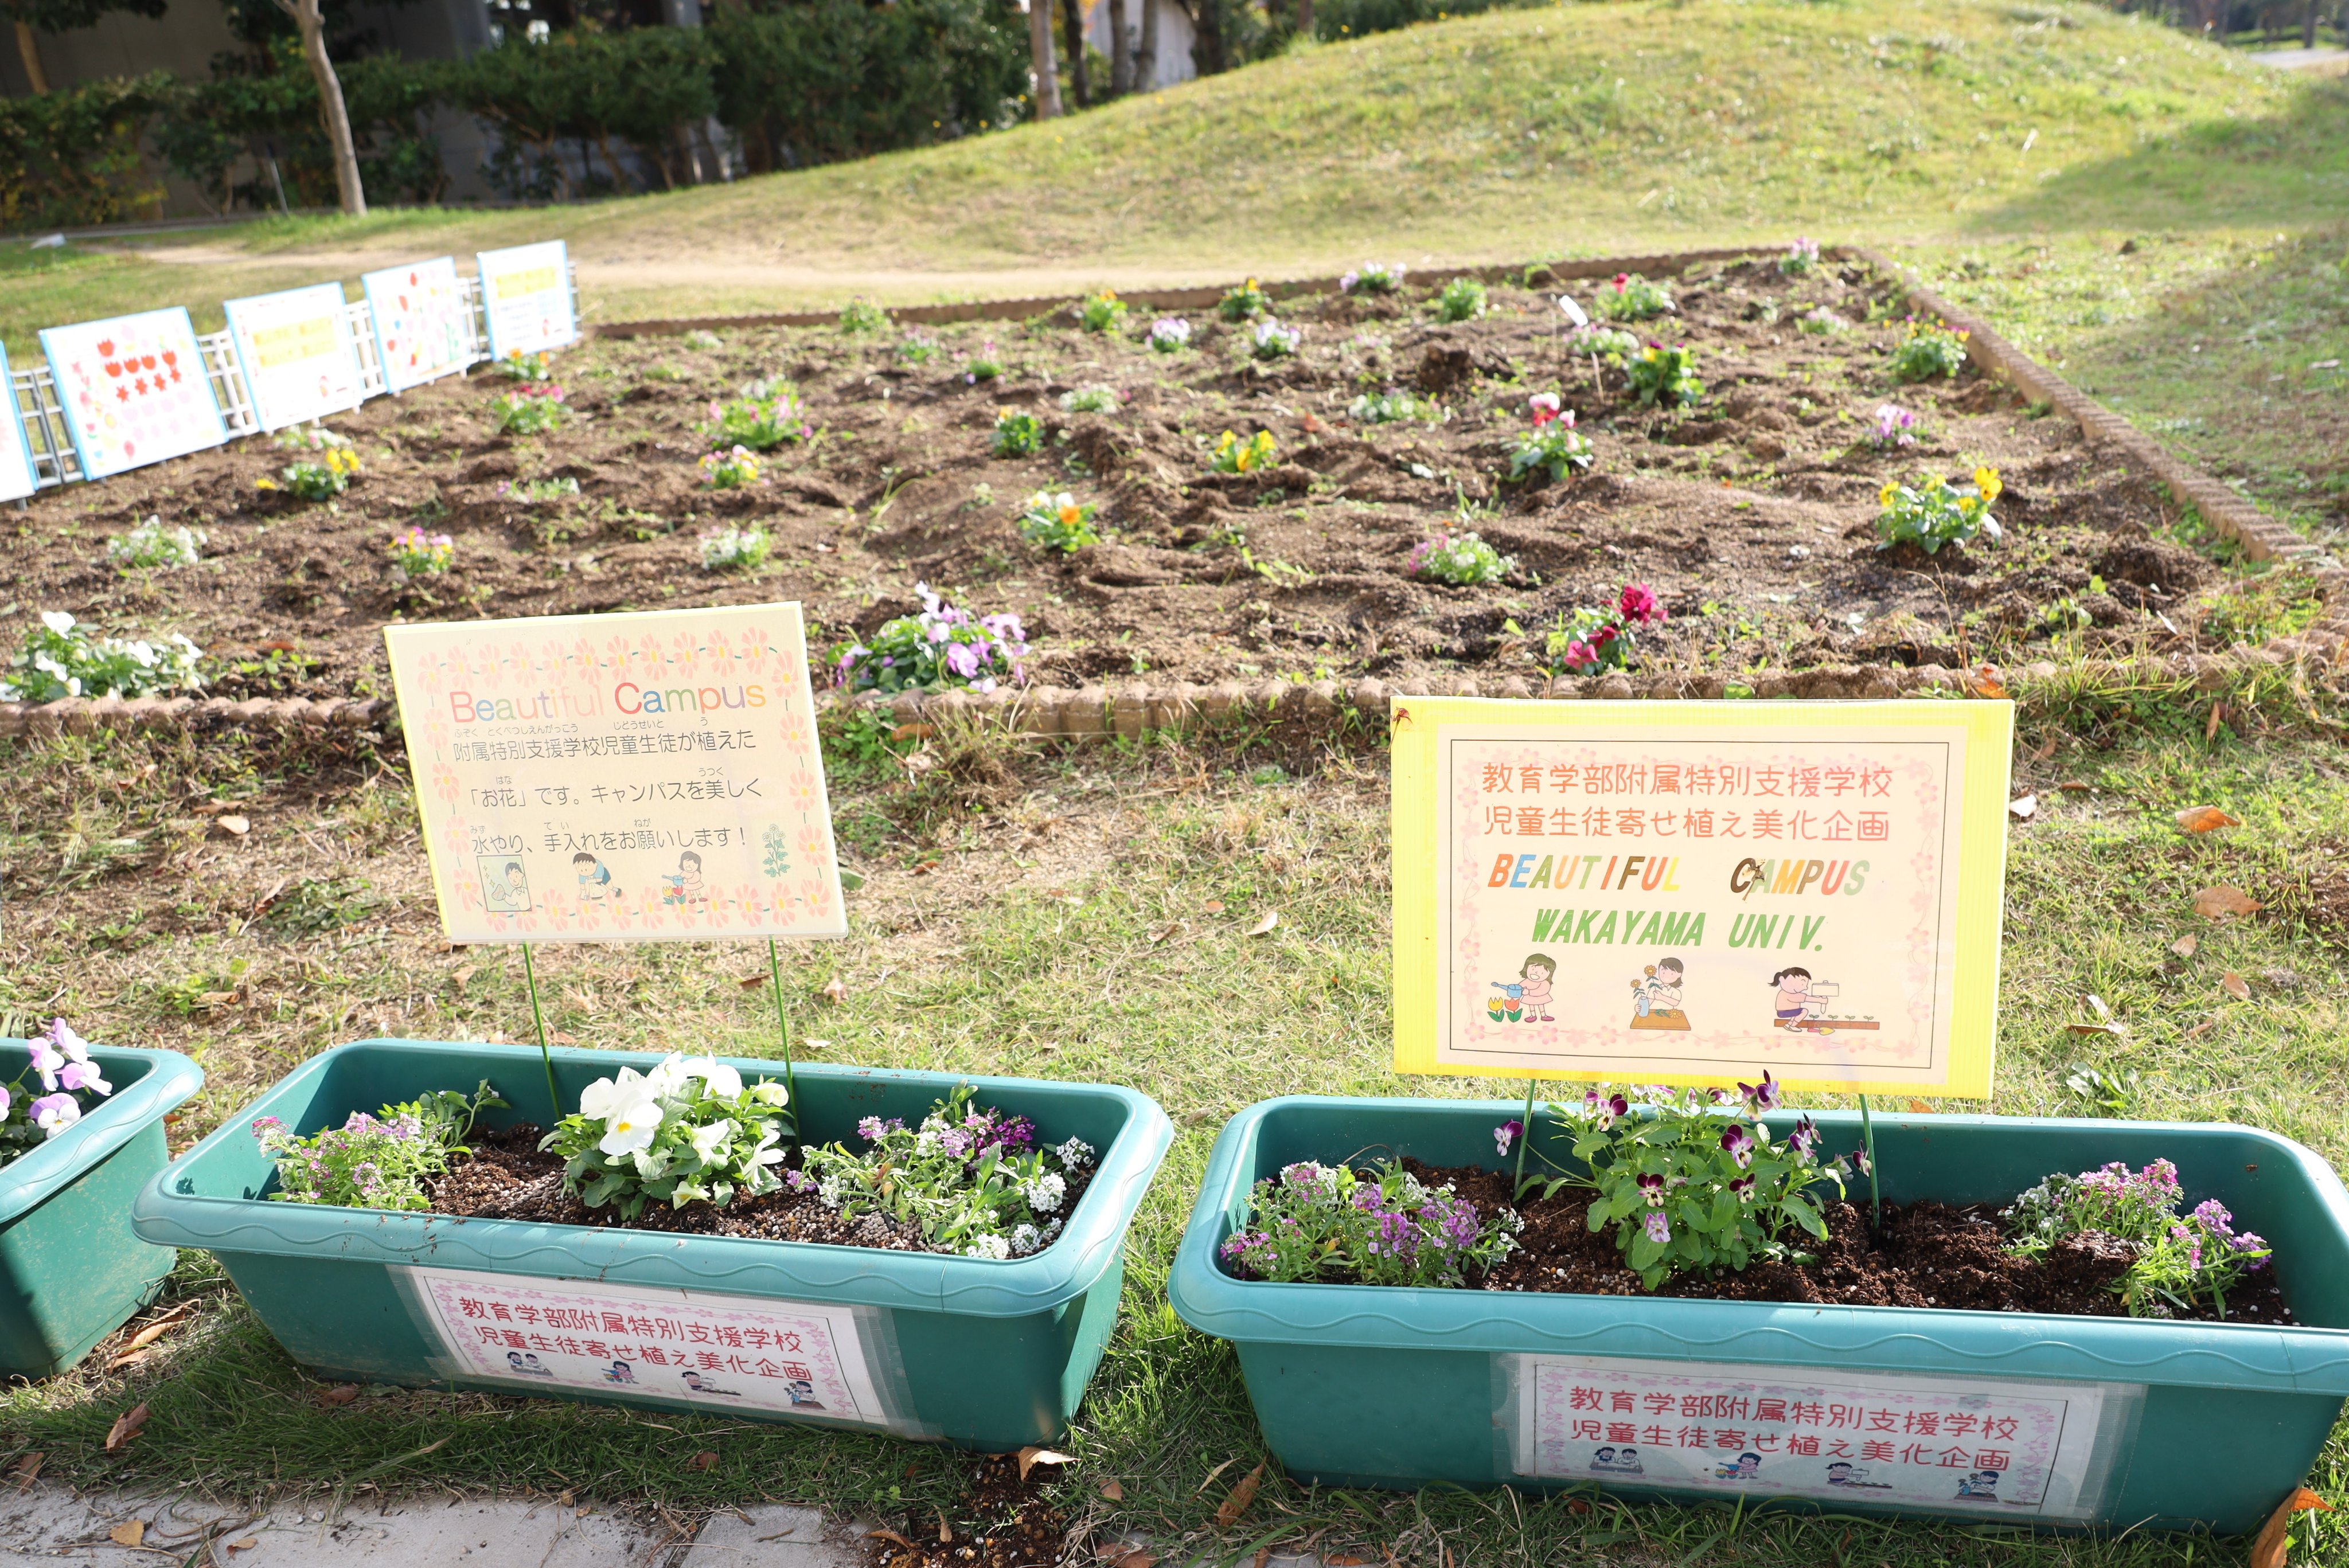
x=1176, y=35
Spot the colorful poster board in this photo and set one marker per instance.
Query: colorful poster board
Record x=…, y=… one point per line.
x=633, y=778
x=133, y=389
x=2005, y=1449
x=726, y=1353
x=422, y=323
x=1693, y=893
x=526, y=298
x=296, y=354
x=17, y=479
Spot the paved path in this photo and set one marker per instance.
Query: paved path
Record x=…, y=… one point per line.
x=50, y=1524
x=2320, y=61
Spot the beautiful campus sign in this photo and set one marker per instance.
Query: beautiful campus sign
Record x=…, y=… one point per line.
x=296, y=354
x=640, y=777
x=1697, y=893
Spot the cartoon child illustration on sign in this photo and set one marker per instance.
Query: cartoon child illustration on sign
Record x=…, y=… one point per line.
x=1844, y=1473
x=687, y=886
x=1794, y=998
x=1617, y=1461
x=1744, y=1467
x=1808, y=1004
x=526, y=1365
x=594, y=878
x=802, y=1395
x=621, y=1373
x=505, y=889
x=1656, y=996
x=694, y=1381
x=1980, y=1487
x=1534, y=987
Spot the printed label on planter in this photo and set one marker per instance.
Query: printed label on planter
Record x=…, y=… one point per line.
x=2007, y=1449
x=1700, y=892
x=633, y=778
x=728, y=1352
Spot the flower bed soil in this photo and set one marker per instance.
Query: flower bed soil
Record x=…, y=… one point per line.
x=1001, y=1521
x=1931, y=1255
x=1752, y=514
x=510, y=1178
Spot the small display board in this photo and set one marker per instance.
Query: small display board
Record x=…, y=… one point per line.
x=133, y=389
x=526, y=298
x=296, y=354
x=422, y=323
x=2005, y=1449
x=17, y=479
x=724, y=1352
x=631, y=778
x=1696, y=892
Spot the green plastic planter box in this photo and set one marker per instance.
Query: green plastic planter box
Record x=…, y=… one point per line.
x=987, y=1355
x=2069, y=1422
x=70, y=1270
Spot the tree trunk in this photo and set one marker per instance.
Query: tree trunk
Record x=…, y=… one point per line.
x=1121, y=62
x=1304, y=18
x=1040, y=47
x=1072, y=28
x=1209, y=52
x=1145, y=57
x=336, y=119
x=30, y=49
x=2308, y=28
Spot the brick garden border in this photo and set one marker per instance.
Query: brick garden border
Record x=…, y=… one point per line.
x=1094, y=713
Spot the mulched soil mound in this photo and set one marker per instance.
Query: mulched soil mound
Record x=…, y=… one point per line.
x=1001, y=1522
x=1931, y=1255
x=1752, y=513
x=508, y=1178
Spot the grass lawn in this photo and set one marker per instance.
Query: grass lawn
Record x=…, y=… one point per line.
x=1052, y=915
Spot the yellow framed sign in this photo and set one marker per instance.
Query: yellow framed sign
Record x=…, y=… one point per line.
x=1692, y=892
x=631, y=778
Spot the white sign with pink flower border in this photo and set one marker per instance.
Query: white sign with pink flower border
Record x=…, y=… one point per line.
x=633, y=778
x=725, y=1352
x=2006, y=1449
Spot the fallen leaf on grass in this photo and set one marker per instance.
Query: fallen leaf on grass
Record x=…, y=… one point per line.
x=891, y=1536
x=1243, y=1492
x=2223, y=903
x=1121, y=1554
x=237, y=826
x=811, y=1043
x=2276, y=1536
x=1162, y=933
x=129, y=1533
x=2075, y=786
x=1578, y=1505
x=1263, y=926
x=126, y=1427
x=2046, y=749
x=2023, y=808
x=2234, y=986
x=2205, y=819
x=833, y=991
x=1214, y=907
x=751, y=982
x=340, y=1394
x=2218, y=718
x=705, y=1459
x=1112, y=1491
x=128, y=1358
x=914, y=732
x=28, y=1470
x=1030, y=1458
x=1986, y=682
x=247, y=1545
x=1920, y=1108
x=2203, y=1027
x=2185, y=946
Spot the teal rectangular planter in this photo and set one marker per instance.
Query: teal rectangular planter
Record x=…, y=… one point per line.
x=990, y=1356
x=71, y=1272
x=2171, y=1425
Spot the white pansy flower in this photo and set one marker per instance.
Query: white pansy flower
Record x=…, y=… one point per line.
x=708, y=1141
x=630, y=1129
x=723, y=1081
x=599, y=1099
x=57, y=621
x=770, y=1091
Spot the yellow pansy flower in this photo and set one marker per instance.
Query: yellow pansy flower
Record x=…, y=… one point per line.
x=1891, y=488
x=1986, y=481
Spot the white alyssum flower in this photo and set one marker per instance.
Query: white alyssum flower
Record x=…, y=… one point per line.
x=1045, y=1193
x=994, y=1248
x=1076, y=1153
x=1024, y=1240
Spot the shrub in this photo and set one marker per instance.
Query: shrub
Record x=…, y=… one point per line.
x=1334, y=20
x=1374, y=278
x=766, y=416
x=689, y=1131
x=1270, y=340
x=942, y=645
x=1017, y=434
x=731, y=469
x=69, y=159
x=861, y=316
x=1462, y=299
x=1091, y=400
x=61, y=659
x=2179, y=1259
x=532, y=410
x=1802, y=258
x=416, y=554
x=206, y=129
x=1102, y=312
x=734, y=548
x=1392, y=406
x=1057, y=523
x=149, y=546
x=322, y=479
x=1244, y=303
x=1553, y=445
x=1463, y=560
x=1588, y=642
x=974, y=1182
x=1664, y=378
x=1234, y=456
x=1380, y=1227
x=639, y=86
x=70, y=1084
x=1930, y=349
x=1933, y=512
x=375, y=1161
x=1632, y=297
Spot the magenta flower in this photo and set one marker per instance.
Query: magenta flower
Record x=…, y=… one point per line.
x=1508, y=1133
x=1653, y=1187
x=53, y=1113
x=1739, y=1145
x=1764, y=1096
x=1638, y=604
